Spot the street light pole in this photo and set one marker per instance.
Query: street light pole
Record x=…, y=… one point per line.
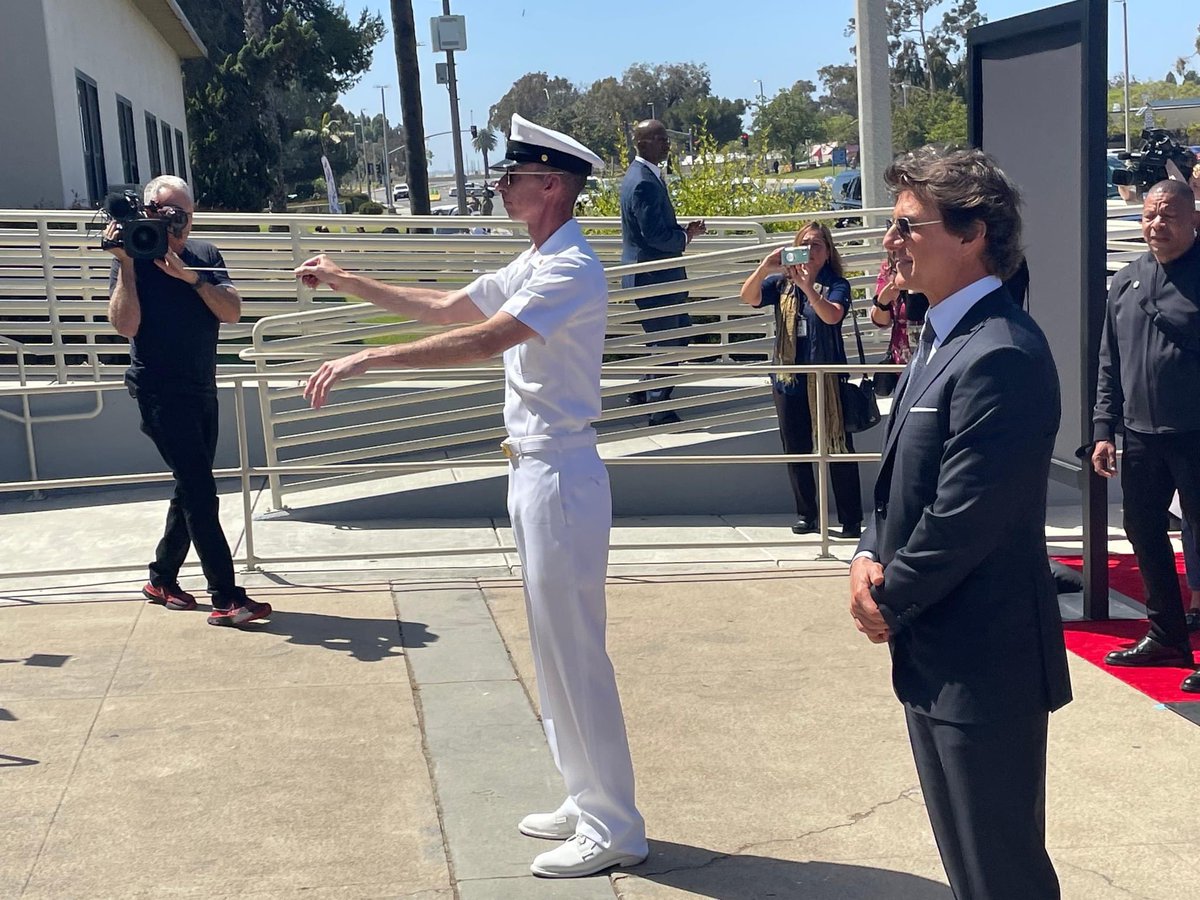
x=368, y=158
x=1125, y=23
x=762, y=98
x=389, y=201
x=460, y=180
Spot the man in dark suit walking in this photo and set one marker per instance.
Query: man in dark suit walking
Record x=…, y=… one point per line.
x=951, y=570
x=649, y=231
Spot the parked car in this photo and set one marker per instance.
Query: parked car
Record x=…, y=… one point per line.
x=472, y=189
x=846, y=190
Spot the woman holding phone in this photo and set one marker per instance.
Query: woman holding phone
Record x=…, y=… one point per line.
x=811, y=298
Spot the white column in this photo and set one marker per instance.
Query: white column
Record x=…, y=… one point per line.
x=874, y=100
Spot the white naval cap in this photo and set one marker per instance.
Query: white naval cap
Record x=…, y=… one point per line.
x=529, y=142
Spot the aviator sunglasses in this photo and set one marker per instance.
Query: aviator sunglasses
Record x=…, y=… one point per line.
x=904, y=225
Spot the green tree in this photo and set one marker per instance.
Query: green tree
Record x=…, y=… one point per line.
x=484, y=142
x=789, y=121
x=841, y=90
x=716, y=116
x=537, y=97
x=939, y=118
x=840, y=129
x=248, y=101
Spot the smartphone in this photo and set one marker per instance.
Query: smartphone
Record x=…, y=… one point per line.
x=794, y=256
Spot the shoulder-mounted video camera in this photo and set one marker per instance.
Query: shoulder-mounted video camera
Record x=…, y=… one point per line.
x=1159, y=158
x=142, y=235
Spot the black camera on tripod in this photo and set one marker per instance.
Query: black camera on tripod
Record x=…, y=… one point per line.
x=142, y=235
x=1159, y=154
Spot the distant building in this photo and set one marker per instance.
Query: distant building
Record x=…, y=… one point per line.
x=93, y=98
x=1174, y=115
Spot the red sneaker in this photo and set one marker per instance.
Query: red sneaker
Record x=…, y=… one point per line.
x=247, y=611
x=172, y=596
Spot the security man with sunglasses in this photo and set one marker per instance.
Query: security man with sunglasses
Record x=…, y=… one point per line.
x=171, y=309
x=545, y=312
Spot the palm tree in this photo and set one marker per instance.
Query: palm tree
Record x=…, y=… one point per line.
x=328, y=130
x=485, y=142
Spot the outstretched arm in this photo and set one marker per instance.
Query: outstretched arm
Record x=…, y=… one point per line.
x=423, y=304
x=471, y=343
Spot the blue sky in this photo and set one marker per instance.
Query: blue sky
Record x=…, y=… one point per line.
x=777, y=41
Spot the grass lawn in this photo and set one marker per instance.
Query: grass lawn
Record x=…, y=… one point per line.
x=810, y=174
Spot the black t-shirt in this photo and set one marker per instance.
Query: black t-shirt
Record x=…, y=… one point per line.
x=175, y=348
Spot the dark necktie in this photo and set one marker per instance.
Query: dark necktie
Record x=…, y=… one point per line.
x=921, y=357
x=924, y=348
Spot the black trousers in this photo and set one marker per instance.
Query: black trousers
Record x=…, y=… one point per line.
x=795, y=431
x=1153, y=467
x=184, y=429
x=663, y=323
x=985, y=791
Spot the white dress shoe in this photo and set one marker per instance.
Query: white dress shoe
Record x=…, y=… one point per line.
x=581, y=856
x=553, y=826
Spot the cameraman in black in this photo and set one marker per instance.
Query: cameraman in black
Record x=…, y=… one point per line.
x=171, y=309
x=1148, y=376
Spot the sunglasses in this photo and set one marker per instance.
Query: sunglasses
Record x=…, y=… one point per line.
x=904, y=225
x=509, y=173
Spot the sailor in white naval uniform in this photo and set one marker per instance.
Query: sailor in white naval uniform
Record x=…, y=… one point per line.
x=546, y=311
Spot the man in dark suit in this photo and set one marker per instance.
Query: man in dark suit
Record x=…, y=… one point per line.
x=649, y=231
x=951, y=570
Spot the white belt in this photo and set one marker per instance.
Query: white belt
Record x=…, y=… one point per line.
x=514, y=448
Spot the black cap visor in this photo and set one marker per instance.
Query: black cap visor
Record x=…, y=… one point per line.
x=519, y=153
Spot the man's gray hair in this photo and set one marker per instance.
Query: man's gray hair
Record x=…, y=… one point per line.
x=166, y=183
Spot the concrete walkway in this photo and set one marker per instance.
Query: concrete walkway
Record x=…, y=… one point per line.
x=378, y=737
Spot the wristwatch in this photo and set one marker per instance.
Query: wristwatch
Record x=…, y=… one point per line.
x=878, y=305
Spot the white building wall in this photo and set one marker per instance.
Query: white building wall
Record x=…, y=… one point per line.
x=114, y=45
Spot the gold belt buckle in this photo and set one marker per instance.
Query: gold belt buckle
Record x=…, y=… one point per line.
x=507, y=450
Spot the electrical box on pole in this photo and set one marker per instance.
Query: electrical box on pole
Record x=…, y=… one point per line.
x=449, y=33
x=443, y=72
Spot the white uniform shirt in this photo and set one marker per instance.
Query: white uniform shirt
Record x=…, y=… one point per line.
x=552, y=382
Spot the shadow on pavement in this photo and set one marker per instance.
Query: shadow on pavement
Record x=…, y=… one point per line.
x=736, y=876
x=367, y=640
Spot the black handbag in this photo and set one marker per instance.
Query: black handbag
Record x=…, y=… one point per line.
x=859, y=409
x=885, y=382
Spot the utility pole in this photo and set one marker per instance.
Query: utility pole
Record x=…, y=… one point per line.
x=417, y=168
x=368, y=158
x=460, y=179
x=388, y=201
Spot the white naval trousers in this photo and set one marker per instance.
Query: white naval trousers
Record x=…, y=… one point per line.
x=561, y=509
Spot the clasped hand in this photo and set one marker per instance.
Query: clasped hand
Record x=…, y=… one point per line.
x=865, y=573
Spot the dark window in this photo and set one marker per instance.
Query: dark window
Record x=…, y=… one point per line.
x=180, y=165
x=93, y=142
x=129, y=162
x=152, y=145
x=167, y=151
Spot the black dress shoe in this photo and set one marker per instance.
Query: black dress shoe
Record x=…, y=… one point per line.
x=670, y=417
x=1149, y=652
x=804, y=526
x=1191, y=684
x=852, y=531
x=637, y=398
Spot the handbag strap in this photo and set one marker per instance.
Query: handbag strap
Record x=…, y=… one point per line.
x=862, y=358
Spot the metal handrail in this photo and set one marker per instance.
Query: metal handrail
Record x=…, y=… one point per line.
x=245, y=472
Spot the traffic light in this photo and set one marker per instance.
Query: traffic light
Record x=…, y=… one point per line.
x=474, y=131
x=745, y=140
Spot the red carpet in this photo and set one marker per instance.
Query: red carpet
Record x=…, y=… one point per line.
x=1092, y=640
